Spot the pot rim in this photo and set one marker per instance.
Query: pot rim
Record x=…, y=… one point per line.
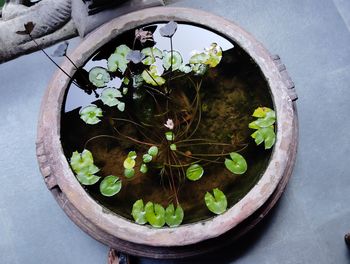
x=56, y=170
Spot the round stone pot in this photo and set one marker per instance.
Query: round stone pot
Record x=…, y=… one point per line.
x=189, y=239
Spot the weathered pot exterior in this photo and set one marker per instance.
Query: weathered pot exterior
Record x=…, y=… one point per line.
x=186, y=240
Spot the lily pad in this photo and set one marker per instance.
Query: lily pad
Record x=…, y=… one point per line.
x=99, y=76
x=266, y=121
x=122, y=50
x=138, y=212
x=118, y=59
x=151, y=55
x=143, y=168
x=216, y=203
x=155, y=214
x=90, y=114
x=153, y=151
x=129, y=163
x=147, y=158
x=199, y=58
x=173, y=147
x=237, y=164
x=266, y=134
x=152, y=76
x=87, y=179
x=261, y=111
x=132, y=154
x=199, y=69
x=174, y=217
x=129, y=173
x=215, y=55
x=83, y=163
x=168, y=30
x=109, y=96
x=194, y=172
x=185, y=68
x=110, y=185
x=175, y=62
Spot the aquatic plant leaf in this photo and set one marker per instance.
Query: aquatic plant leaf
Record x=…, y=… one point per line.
x=266, y=134
x=132, y=154
x=155, y=214
x=151, y=54
x=125, y=90
x=61, y=49
x=123, y=50
x=215, y=55
x=99, y=76
x=143, y=168
x=199, y=69
x=129, y=163
x=137, y=80
x=253, y=125
x=174, y=217
x=169, y=135
x=168, y=30
x=135, y=56
x=126, y=80
x=217, y=203
x=109, y=96
x=147, y=158
x=173, y=147
x=117, y=61
x=110, y=185
x=121, y=106
x=153, y=151
x=199, y=58
x=138, y=212
x=194, y=172
x=258, y=137
x=83, y=163
x=237, y=164
x=261, y=111
x=87, y=179
x=90, y=114
x=129, y=173
x=152, y=76
x=266, y=121
x=185, y=68
x=28, y=28
x=176, y=60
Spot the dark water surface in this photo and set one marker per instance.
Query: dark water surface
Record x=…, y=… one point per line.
x=229, y=93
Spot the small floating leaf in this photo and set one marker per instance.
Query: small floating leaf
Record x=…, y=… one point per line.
x=129, y=163
x=132, y=154
x=129, y=173
x=83, y=163
x=151, y=55
x=217, y=203
x=121, y=106
x=87, y=179
x=168, y=30
x=126, y=80
x=176, y=60
x=99, y=76
x=138, y=212
x=199, y=58
x=194, y=172
x=143, y=168
x=215, y=55
x=266, y=134
x=110, y=185
x=109, y=96
x=152, y=76
x=173, y=147
x=90, y=114
x=266, y=121
x=147, y=158
x=169, y=135
x=118, y=59
x=61, y=49
x=199, y=69
x=174, y=217
x=185, y=68
x=261, y=111
x=155, y=214
x=153, y=151
x=135, y=56
x=237, y=164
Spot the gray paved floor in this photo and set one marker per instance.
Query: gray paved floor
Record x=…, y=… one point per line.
x=313, y=39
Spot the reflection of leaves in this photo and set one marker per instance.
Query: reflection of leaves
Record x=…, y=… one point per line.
x=28, y=28
x=90, y=114
x=61, y=50
x=168, y=30
x=237, y=164
x=135, y=56
x=217, y=203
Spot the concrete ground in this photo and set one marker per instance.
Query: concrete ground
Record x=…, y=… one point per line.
x=313, y=39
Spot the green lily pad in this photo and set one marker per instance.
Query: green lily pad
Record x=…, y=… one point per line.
x=217, y=203
x=266, y=121
x=151, y=55
x=253, y=125
x=83, y=163
x=99, y=76
x=185, y=68
x=261, y=111
x=194, y=172
x=199, y=58
x=176, y=60
x=215, y=55
x=138, y=212
x=90, y=114
x=199, y=69
x=152, y=76
x=143, y=168
x=129, y=173
x=147, y=158
x=110, y=185
x=87, y=179
x=153, y=151
x=174, y=217
x=129, y=163
x=118, y=59
x=173, y=147
x=155, y=214
x=109, y=96
x=266, y=134
x=169, y=135
x=237, y=164
x=132, y=154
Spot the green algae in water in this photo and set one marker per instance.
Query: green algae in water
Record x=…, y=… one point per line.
x=229, y=94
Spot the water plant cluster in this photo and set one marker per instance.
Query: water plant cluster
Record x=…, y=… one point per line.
x=168, y=145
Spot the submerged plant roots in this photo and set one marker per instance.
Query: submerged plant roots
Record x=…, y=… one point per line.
x=167, y=145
